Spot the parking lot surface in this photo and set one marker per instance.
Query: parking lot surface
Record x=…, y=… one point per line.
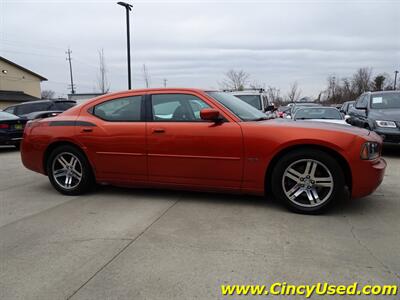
x=144, y=244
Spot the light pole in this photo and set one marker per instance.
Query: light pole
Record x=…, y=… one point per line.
x=395, y=79
x=128, y=8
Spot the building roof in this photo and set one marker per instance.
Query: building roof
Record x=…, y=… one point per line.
x=22, y=68
x=16, y=96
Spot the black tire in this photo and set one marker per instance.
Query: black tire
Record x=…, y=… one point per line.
x=17, y=146
x=336, y=193
x=87, y=178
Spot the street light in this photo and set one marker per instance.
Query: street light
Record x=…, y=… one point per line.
x=395, y=79
x=128, y=8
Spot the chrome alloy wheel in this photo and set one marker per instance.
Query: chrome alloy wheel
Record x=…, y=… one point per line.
x=67, y=170
x=307, y=183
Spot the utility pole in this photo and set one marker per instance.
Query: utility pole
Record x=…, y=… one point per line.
x=128, y=8
x=70, y=70
x=395, y=79
x=165, y=82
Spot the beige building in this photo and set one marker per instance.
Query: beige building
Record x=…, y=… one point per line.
x=17, y=84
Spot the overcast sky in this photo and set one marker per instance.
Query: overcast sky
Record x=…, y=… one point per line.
x=193, y=43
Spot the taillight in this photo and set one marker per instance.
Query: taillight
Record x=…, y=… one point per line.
x=4, y=126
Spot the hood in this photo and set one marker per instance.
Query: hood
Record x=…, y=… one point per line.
x=392, y=114
x=316, y=125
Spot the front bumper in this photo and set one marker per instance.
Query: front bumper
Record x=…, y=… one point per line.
x=389, y=135
x=367, y=176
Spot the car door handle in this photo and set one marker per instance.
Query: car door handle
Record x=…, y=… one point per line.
x=87, y=130
x=158, y=130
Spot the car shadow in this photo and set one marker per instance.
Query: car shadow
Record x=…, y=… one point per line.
x=345, y=206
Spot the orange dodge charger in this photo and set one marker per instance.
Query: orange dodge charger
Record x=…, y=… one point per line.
x=202, y=140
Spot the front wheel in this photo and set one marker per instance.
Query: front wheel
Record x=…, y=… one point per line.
x=308, y=181
x=69, y=171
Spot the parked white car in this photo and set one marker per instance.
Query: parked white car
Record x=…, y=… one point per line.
x=320, y=114
x=256, y=98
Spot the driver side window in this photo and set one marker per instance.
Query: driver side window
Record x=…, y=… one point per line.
x=177, y=108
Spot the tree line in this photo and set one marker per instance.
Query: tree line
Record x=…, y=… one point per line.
x=337, y=90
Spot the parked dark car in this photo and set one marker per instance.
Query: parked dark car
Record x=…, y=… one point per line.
x=380, y=112
x=11, y=129
x=23, y=109
x=42, y=114
x=346, y=106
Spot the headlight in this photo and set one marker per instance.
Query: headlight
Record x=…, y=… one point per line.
x=387, y=124
x=370, y=150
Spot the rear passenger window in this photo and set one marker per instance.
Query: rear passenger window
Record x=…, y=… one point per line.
x=120, y=110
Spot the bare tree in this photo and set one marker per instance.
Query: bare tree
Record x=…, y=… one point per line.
x=273, y=96
x=48, y=94
x=333, y=86
x=146, y=76
x=294, y=92
x=235, y=80
x=102, y=81
x=362, y=80
x=257, y=85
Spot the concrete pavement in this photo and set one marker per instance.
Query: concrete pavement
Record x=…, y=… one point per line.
x=141, y=244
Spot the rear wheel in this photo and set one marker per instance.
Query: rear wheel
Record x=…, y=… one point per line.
x=308, y=181
x=69, y=171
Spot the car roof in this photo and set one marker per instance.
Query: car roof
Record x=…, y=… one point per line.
x=306, y=104
x=318, y=107
x=46, y=101
x=246, y=93
x=384, y=92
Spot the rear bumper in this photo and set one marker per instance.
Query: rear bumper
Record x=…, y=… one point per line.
x=367, y=176
x=32, y=155
x=10, y=138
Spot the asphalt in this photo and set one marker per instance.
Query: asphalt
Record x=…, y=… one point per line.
x=153, y=244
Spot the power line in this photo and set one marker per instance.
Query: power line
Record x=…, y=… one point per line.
x=70, y=70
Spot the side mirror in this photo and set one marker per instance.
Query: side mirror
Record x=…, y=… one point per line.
x=210, y=114
x=269, y=108
x=362, y=107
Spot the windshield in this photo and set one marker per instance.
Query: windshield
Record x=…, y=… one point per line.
x=385, y=100
x=241, y=109
x=7, y=116
x=318, y=113
x=253, y=100
x=296, y=107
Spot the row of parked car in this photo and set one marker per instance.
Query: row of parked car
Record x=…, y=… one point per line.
x=376, y=111
x=14, y=118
